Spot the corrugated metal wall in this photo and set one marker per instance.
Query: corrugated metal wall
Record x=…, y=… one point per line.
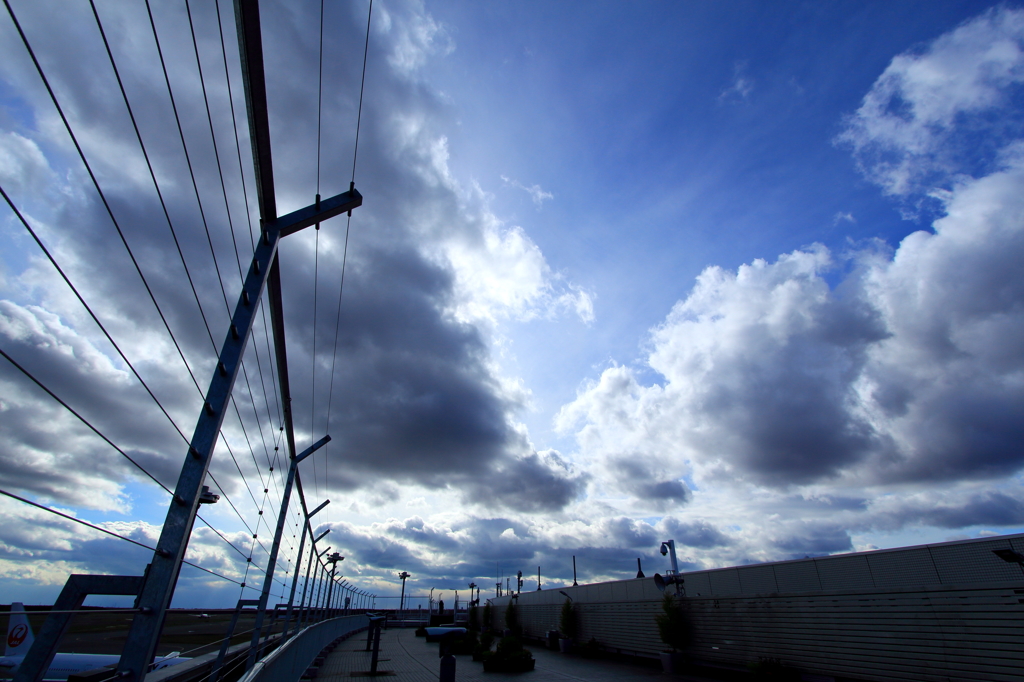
x=950, y=611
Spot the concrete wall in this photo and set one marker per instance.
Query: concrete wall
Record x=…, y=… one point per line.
x=949, y=611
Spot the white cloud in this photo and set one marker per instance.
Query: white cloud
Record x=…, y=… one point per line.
x=905, y=380
x=906, y=376
x=537, y=194
x=903, y=133
x=413, y=36
x=22, y=165
x=741, y=87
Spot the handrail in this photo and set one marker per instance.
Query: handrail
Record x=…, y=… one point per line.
x=288, y=662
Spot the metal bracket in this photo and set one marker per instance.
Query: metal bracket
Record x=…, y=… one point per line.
x=38, y=659
x=215, y=673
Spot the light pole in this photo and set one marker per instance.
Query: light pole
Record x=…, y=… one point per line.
x=401, y=603
x=472, y=586
x=333, y=561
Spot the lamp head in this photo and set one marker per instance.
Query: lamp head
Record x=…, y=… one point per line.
x=664, y=549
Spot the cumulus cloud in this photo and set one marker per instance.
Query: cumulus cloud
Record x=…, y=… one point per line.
x=922, y=123
x=905, y=373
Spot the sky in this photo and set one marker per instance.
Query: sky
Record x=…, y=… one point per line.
x=741, y=275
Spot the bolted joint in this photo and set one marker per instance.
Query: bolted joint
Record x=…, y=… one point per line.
x=256, y=265
x=195, y=453
x=178, y=499
x=221, y=369
x=245, y=297
x=209, y=408
x=163, y=553
x=234, y=332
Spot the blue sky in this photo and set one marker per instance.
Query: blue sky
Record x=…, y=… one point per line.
x=733, y=273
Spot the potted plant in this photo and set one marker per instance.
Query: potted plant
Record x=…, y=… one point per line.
x=674, y=628
x=512, y=628
x=484, y=648
x=510, y=657
x=488, y=623
x=567, y=624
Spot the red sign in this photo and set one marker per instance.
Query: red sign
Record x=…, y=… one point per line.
x=16, y=636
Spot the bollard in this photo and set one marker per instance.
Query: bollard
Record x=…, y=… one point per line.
x=376, y=650
x=447, y=659
x=447, y=669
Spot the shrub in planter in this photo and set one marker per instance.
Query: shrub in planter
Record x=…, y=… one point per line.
x=512, y=619
x=484, y=647
x=488, y=624
x=567, y=622
x=465, y=645
x=510, y=657
x=676, y=631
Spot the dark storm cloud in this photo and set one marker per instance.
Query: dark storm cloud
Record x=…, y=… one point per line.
x=991, y=509
x=640, y=476
x=700, y=534
x=414, y=399
x=813, y=539
x=536, y=482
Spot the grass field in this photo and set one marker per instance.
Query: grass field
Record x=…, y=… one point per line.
x=98, y=631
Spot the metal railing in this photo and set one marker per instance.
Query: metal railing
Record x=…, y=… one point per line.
x=288, y=662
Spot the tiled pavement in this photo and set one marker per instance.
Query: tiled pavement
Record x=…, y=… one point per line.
x=408, y=658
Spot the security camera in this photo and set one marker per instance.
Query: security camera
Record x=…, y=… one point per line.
x=664, y=549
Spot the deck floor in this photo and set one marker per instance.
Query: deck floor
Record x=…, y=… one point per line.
x=407, y=658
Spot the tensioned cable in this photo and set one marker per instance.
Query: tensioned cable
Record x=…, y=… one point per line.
x=167, y=217
x=348, y=225
x=89, y=310
x=316, y=247
x=98, y=188
x=117, y=227
x=195, y=186
x=231, y=227
x=116, y=347
x=320, y=97
x=213, y=138
x=96, y=184
x=111, y=443
x=102, y=195
x=104, y=530
x=362, y=85
x=152, y=175
x=83, y=419
x=248, y=216
x=209, y=239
